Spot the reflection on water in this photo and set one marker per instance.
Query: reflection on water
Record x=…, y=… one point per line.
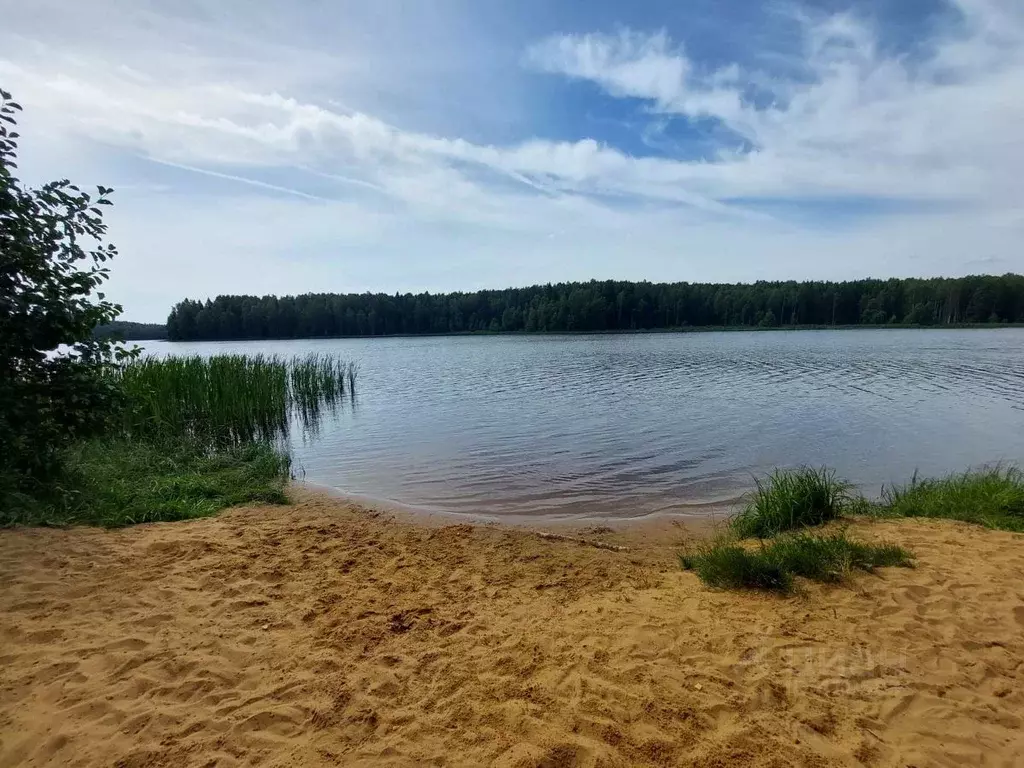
x=630, y=425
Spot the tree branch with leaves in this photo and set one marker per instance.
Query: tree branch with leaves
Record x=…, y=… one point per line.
x=53, y=260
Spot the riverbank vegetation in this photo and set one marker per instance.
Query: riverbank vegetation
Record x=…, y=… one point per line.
x=992, y=497
x=92, y=433
x=112, y=482
x=791, y=499
x=608, y=306
x=184, y=438
x=788, y=506
x=230, y=399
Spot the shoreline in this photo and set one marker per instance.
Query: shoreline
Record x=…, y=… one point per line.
x=323, y=633
x=622, y=332
x=712, y=513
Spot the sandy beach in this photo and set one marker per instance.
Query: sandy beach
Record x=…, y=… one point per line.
x=324, y=634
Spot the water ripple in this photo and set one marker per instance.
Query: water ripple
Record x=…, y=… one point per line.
x=622, y=426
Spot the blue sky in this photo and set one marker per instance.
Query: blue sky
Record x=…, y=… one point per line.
x=287, y=147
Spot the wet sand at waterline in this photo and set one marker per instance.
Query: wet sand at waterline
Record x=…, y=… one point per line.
x=323, y=634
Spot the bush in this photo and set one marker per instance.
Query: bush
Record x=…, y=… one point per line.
x=52, y=387
x=819, y=557
x=991, y=497
x=88, y=433
x=791, y=499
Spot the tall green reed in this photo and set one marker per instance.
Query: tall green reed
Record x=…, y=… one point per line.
x=231, y=399
x=790, y=499
x=318, y=387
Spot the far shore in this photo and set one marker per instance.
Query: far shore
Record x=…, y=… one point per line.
x=632, y=332
x=322, y=632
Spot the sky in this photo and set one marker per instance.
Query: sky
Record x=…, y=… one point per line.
x=286, y=147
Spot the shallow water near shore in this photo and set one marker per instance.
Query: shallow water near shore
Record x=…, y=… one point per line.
x=625, y=426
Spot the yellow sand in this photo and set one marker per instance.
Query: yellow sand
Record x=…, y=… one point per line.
x=319, y=634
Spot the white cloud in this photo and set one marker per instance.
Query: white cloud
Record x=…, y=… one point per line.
x=860, y=122
x=641, y=66
x=357, y=201
x=627, y=64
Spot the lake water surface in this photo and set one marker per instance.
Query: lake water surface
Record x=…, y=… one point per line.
x=622, y=426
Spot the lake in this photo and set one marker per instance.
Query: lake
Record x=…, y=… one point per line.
x=624, y=426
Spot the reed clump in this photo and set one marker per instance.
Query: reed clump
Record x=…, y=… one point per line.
x=190, y=436
x=230, y=399
x=792, y=499
x=318, y=384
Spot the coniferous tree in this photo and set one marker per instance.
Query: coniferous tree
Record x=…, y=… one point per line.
x=607, y=306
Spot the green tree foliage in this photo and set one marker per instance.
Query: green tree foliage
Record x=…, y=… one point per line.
x=606, y=306
x=52, y=258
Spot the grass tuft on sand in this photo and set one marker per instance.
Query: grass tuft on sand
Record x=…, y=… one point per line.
x=824, y=557
x=992, y=497
x=727, y=565
x=792, y=499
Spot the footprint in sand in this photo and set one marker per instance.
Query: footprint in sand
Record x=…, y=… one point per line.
x=280, y=722
x=53, y=672
x=918, y=592
x=45, y=636
x=128, y=644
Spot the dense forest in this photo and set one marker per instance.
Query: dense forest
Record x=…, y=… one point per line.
x=128, y=331
x=606, y=306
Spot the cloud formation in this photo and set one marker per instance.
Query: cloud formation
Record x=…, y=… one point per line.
x=285, y=157
x=856, y=121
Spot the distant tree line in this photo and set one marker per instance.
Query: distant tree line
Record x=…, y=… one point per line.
x=128, y=331
x=606, y=306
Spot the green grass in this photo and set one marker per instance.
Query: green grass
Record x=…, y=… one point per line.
x=829, y=558
x=192, y=436
x=729, y=566
x=791, y=499
x=788, y=503
x=119, y=482
x=992, y=497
